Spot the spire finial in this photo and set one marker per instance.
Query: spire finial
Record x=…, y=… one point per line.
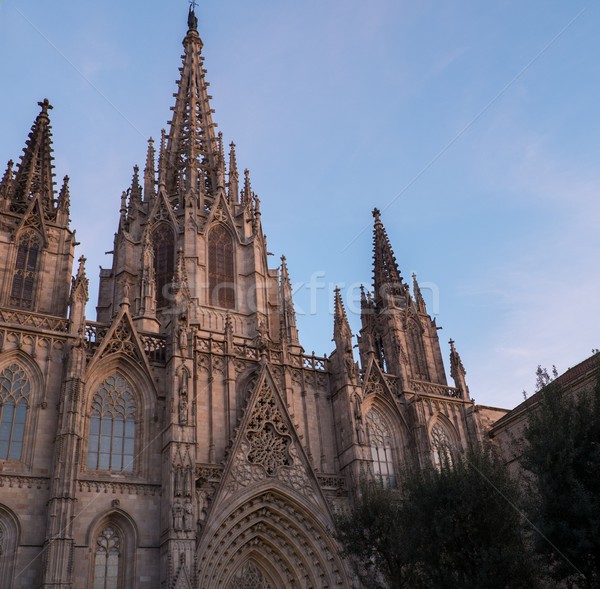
x=192, y=18
x=46, y=106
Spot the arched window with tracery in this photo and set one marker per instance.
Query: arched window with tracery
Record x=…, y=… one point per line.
x=107, y=559
x=250, y=577
x=15, y=390
x=164, y=262
x=221, y=279
x=26, y=270
x=441, y=446
x=111, y=438
x=380, y=442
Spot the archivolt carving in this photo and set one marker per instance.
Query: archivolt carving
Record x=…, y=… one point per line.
x=298, y=550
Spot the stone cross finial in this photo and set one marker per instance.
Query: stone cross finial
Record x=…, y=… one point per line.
x=46, y=106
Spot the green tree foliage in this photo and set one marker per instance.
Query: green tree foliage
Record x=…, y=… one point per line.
x=456, y=527
x=562, y=452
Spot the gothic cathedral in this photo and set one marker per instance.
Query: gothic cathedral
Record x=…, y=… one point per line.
x=183, y=439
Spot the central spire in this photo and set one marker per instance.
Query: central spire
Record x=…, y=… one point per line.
x=191, y=151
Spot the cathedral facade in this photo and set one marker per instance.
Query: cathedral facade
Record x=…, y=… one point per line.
x=183, y=439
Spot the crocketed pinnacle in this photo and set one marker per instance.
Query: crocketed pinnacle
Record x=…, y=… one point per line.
x=288, y=314
x=234, y=182
x=191, y=151
x=35, y=173
x=149, y=172
x=341, y=326
x=418, y=296
x=386, y=274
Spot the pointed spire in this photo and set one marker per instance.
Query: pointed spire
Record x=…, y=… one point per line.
x=220, y=162
x=162, y=158
x=149, y=172
x=63, y=203
x=421, y=307
x=191, y=151
x=247, y=192
x=6, y=184
x=288, y=314
x=78, y=298
x=458, y=372
x=35, y=171
x=135, y=192
x=234, y=181
x=387, y=279
x=341, y=326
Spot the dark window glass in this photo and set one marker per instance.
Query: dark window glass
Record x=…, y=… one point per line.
x=111, y=438
x=164, y=262
x=221, y=280
x=26, y=270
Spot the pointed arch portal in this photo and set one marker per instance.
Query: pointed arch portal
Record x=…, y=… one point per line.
x=273, y=539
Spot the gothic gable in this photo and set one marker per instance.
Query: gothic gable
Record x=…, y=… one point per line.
x=122, y=338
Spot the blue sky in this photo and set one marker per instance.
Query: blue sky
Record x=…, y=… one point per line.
x=473, y=126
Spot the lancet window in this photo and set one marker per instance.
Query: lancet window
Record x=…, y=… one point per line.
x=441, y=446
x=164, y=262
x=14, y=400
x=26, y=270
x=111, y=439
x=107, y=559
x=380, y=442
x=417, y=355
x=221, y=280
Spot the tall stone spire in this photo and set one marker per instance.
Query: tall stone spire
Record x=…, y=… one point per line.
x=421, y=307
x=342, y=334
x=191, y=151
x=387, y=279
x=234, y=179
x=149, y=173
x=458, y=372
x=35, y=171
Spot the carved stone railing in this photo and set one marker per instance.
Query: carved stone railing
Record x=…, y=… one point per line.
x=332, y=482
x=118, y=487
x=34, y=320
x=155, y=346
x=209, y=472
x=430, y=388
x=248, y=351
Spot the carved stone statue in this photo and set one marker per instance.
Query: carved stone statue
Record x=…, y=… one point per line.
x=177, y=517
x=188, y=516
x=183, y=410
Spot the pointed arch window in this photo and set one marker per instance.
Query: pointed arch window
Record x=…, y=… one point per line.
x=221, y=280
x=14, y=400
x=111, y=439
x=164, y=262
x=26, y=270
x=380, y=442
x=107, y=559
x=441, y=446
x=419, y=362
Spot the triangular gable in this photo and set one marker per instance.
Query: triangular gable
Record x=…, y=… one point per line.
x=267, y=449
x=375, y=381
x=162, y=210
x=34, y=218
x=221, y=212
x=122, y=338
